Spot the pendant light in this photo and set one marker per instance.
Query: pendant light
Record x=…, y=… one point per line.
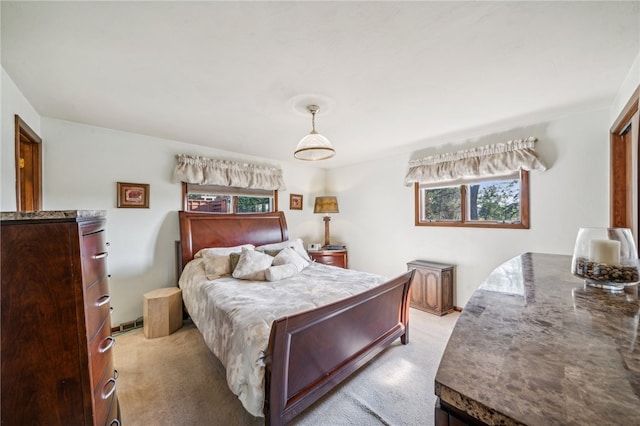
x=314, y=146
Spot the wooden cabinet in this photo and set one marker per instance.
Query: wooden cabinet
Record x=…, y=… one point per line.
x=57, y=361
x=432, y=286
x=331, y=257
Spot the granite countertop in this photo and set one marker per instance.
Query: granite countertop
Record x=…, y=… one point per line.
x=51, y=214
x=535, y=346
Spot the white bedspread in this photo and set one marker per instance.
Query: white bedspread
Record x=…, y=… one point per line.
x=235, y=316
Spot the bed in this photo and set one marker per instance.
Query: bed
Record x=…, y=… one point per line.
x=309, y=352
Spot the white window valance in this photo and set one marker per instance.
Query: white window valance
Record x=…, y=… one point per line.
x=494, y=160
x=208, y=171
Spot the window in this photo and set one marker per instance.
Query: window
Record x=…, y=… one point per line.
x=492, y=202
x=227, y=199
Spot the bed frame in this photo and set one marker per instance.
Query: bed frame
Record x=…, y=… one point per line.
x=311, y=352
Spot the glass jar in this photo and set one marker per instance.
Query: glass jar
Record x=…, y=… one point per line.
x=606, y=258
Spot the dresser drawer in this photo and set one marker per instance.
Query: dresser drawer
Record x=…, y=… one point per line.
x=113, y=417
x=94, y=255
x=101, y=353
x=96, y=306
x=104, y=395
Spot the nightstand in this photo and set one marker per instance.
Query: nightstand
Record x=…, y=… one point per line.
x=330, y=257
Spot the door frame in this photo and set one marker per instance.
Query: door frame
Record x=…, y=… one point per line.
x=22, y=130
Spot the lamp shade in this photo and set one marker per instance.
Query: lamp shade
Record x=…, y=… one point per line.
x=326, y=205
x=314, y=147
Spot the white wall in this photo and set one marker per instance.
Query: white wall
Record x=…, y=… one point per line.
x=13, y=102
x=85, y=162
x=628, y=86
x=376, y=219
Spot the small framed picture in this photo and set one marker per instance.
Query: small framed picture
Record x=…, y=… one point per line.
x=133, y=195
x=295, y=202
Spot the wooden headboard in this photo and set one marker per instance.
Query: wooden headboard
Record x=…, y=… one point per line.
x=201, y=230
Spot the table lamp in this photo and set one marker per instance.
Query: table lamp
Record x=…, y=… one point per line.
x=326, y=205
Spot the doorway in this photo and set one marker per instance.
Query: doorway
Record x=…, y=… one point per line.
x=28, y=167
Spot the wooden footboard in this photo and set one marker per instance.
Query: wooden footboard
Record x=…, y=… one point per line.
x=311, y=352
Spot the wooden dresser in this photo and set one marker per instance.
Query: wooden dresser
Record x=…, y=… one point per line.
x=57, y=361
x=331, y=257
x=432, y=287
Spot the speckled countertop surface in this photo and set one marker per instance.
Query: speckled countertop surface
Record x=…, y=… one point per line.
x=51, y=214
x=535, y=346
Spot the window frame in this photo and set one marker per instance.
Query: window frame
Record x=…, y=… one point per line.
x=185, y=201
x=464, y=221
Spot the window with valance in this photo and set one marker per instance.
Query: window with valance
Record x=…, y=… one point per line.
x=222, y=186
x=486, y=186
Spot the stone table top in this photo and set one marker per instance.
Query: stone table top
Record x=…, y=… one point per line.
x=535, y=346
x=51, y=214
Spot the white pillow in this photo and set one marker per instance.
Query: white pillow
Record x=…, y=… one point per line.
x=216, y=266
x=251, y=265
x=289, y=256
x=217, y=251
x=296, y=244
x=280, y=272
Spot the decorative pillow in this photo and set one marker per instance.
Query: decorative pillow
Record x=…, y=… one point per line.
x=251, y=265
x=216, y=266
x=280, y=272
x=226, y=251
x=289, y=256
x=234, y=258
x=296, y=244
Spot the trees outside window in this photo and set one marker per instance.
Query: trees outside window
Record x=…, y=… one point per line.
x=494, y=202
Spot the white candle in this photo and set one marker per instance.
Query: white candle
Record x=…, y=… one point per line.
x=605, y=251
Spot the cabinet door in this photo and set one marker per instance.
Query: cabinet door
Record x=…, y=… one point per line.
x=426, y=289
x=431, y=279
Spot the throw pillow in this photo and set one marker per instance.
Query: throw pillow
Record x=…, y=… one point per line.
x=251, y=265
x=289, y=256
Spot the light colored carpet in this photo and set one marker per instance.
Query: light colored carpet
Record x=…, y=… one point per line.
x=176, y=380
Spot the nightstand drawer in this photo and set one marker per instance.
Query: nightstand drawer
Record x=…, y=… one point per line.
x=330, y=257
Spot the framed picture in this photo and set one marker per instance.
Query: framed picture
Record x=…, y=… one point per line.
x=133, y=195
x=295, y=202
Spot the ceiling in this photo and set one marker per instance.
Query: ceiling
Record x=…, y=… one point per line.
x=389, y=77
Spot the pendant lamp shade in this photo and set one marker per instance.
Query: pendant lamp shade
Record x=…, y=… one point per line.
x=314, y=146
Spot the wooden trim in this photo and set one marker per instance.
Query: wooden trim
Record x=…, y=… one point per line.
x=524, y=199
x=621, y=167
